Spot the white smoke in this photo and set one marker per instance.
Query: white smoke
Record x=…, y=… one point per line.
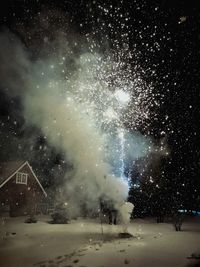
x=69, y=100
x=125, y=211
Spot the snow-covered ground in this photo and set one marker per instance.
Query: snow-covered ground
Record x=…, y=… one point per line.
x=82, y=244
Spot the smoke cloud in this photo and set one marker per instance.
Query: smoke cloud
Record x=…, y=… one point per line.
x=71, y=97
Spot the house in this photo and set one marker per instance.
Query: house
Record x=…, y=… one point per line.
x=20, y=189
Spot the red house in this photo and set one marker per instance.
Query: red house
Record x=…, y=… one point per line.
x=20, y=189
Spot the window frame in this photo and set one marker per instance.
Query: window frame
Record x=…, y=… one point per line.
x=21, y=178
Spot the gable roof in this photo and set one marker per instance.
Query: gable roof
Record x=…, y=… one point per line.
x=9, y=169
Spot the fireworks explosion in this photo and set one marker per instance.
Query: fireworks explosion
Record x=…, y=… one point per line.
x=89, y=101
x=102, y=99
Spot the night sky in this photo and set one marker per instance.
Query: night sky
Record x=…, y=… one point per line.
x=166, y=36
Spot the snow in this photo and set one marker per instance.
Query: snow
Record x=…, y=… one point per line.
x=81, y=243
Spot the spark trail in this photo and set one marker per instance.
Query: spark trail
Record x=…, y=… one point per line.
x=122, y=152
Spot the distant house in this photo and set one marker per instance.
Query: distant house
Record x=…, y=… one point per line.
x=20, y=189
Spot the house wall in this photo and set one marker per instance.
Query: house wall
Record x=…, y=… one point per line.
x=21, y=198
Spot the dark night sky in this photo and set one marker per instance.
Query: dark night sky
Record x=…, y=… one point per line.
x=175, y=25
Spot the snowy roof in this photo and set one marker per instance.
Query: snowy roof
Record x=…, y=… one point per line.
x=10, y=168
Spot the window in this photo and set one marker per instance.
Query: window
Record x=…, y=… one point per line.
x=21, y=178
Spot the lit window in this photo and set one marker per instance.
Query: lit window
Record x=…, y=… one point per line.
x=21, y=178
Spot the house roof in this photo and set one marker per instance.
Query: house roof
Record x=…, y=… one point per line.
x=9, y=169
